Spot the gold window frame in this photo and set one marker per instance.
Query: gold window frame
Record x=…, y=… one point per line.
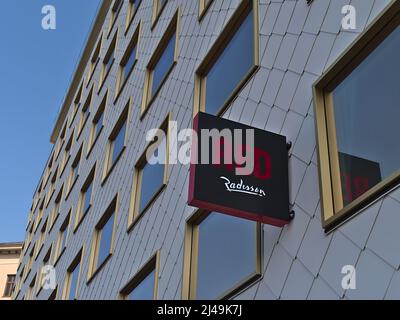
x=333, y=213
x=148, y=95
x=134, y=215
x=190, y=259
x=218, y=48
x=78, y=260
x=94, y=267
x=204, y=5
x=152, y=264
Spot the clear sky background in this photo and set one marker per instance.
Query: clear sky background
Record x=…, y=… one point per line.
x=36, y=67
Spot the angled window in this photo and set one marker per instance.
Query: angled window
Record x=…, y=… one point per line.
x=85, y=200
x=74, y=173
x=30, y=261
x=31, y=288
x=76, y=103
x=108, y=60
x=203, y=7
x=161, y=63
x=71, y=284
x=218, y=262
x=144, y=285
x=150, y=175
x=46, y=261
x=39, y=217
x=55, y=212
x=42, y=237
x=94, y=60
x=59, y=146
x=158, y=8
x=133, y=7
x=115, y=9
x=117, y=141
x=103, y=238
x=128, y=61
x=9, y=285
x=98, y=123
x=67, y=153
x=358, y=155
x=52, y=188
x=62, y=238
x=230, y=63
x=85, y=112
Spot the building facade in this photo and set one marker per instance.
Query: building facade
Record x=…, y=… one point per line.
x=113, y=226
x=9, y=259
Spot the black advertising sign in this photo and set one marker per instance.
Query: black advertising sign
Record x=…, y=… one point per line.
x=261, y=196
x=358, y=175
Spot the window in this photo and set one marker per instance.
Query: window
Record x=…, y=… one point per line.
x=71, y=285
x=358, y=157
x=161, y=63
x=60, y=144
x=117, y=141
x=62, y=238
x=230, y=63
x=30, y=261
x=39, y=217
x=218, y=262
x=158, y=7
x=85, y=112
x=41, y=238
x=94, y=60
x=144, y=285
x=55, y=213
x=52, y=188
x=103, y=239
x=116, y=8
x=203, y=7
x=150, y=176
x=29, y=295
x=133, y=7
x=85, y=201
x=53, y=295
x=98, y=123
x=45, y=261
x=77, y=103
x=67, y=153
x=9, y=285
x=74, y=173
x=108, y=60
x=128, y=62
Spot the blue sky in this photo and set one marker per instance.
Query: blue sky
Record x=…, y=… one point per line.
x=36, y=67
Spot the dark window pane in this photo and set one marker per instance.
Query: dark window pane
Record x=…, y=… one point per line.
x=163, y=65
x=64, y=238
x=366, y=107
x=129, y=64
x=99, y=124
x=74, y=283
x=227, y=254
x=152, y=179
x=231, y=67
x=118, y=143
x=105, y=240
x=87, y=200
x=145, y=290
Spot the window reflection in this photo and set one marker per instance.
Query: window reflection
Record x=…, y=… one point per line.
x=366, y=108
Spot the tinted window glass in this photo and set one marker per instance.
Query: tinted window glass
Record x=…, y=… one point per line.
x=366, y=107
x=231, y=67
x=74, y=282
x=164, y=64
x=145, y=290
x=152, y=179
x=130, y=62
x=227, y=254
x=88, y=195
x=105, y=240
x=119, y=143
